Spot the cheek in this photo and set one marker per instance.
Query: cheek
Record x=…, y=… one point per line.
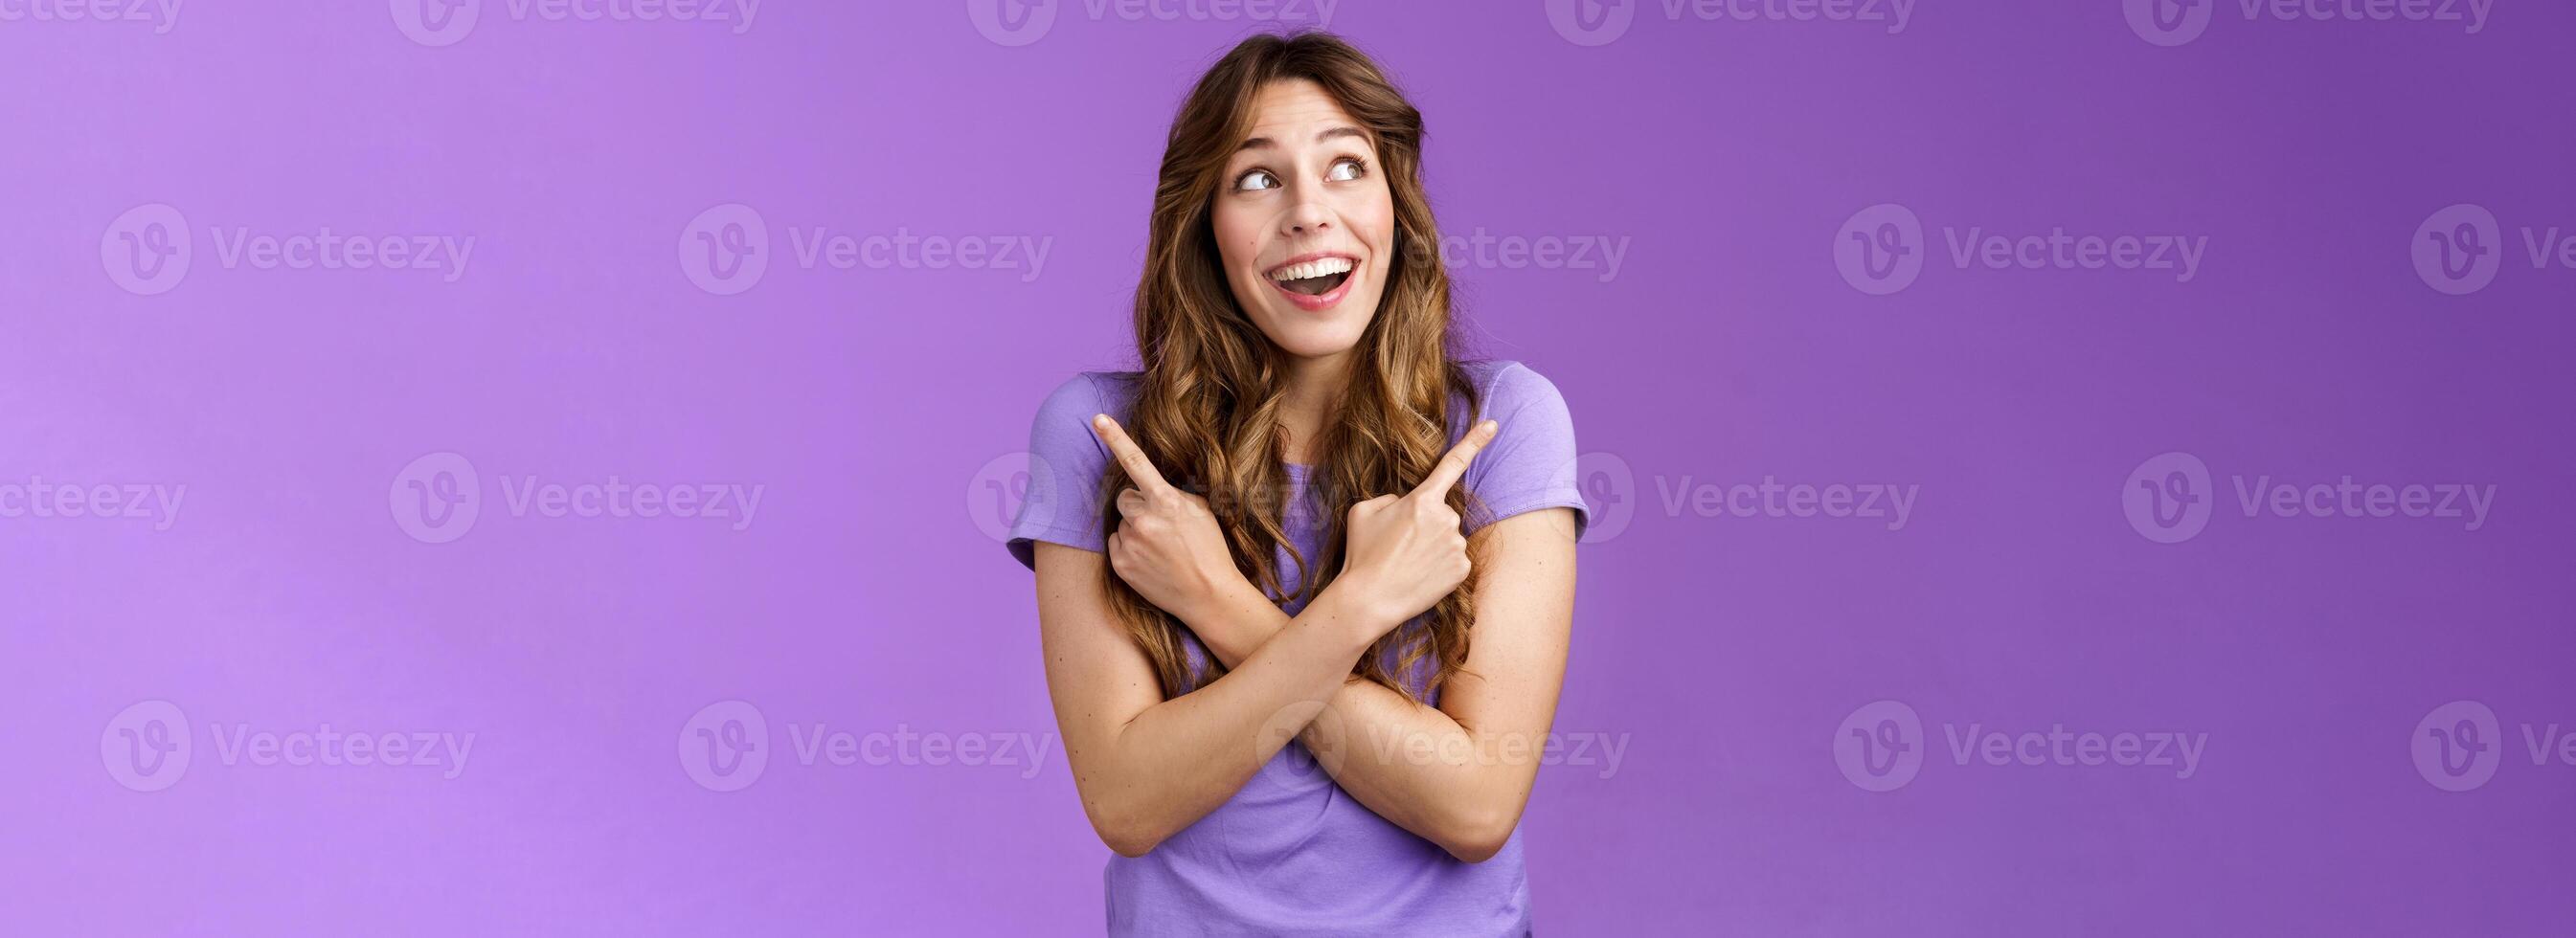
x=1373, y=221
x=1377, y=231
x=1238, y=240
x=1379, y=219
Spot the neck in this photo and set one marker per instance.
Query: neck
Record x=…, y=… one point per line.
x=1313, y=398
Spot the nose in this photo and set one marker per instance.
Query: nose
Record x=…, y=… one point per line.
x=1308, y=217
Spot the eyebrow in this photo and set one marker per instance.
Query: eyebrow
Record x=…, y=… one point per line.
x=1264, y=143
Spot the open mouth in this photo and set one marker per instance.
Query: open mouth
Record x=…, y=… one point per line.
x=1313, y=278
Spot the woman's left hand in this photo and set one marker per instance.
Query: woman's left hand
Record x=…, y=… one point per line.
x=1167, y=545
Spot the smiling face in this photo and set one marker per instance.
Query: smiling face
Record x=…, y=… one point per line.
x=1304, y=223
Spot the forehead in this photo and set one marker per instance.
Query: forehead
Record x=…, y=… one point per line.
x=1294, y=110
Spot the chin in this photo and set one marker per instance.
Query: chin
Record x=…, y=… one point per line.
x=1303, y=334
x=1317, y=345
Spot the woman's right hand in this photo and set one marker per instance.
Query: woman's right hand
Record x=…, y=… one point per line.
x=1409, y=551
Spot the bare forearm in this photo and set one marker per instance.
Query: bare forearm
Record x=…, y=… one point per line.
x=1419, y=768
x=1412, y=764
x=1181, y=758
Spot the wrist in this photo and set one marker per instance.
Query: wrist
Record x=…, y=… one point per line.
x=1345, y=608
x=1210, y=593
x=1225, y=616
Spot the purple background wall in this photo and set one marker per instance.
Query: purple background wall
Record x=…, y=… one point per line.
x=2319, y=663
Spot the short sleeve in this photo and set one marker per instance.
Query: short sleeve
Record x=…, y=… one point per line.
x=1066, y=463
x=1531, y=463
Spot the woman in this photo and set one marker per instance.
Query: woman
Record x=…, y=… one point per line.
x=1290, y=523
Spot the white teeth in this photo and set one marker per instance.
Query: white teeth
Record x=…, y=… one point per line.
x=1312, y=269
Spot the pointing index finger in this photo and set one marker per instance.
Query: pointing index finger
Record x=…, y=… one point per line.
x=1453, y=465
x=1139, y=469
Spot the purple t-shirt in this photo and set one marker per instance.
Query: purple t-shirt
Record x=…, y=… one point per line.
x=1292, y=853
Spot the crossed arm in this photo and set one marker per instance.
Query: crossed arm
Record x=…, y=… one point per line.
x=1458, y=775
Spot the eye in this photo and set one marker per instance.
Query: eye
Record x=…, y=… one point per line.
x=1255, y=180
x=1346, y=169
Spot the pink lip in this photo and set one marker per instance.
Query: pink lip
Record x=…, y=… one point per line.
x=1321, y=301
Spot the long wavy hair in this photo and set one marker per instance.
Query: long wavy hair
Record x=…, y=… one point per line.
x=1208, y=406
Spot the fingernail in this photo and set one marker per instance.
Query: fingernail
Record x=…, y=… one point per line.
x=1100, y=421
